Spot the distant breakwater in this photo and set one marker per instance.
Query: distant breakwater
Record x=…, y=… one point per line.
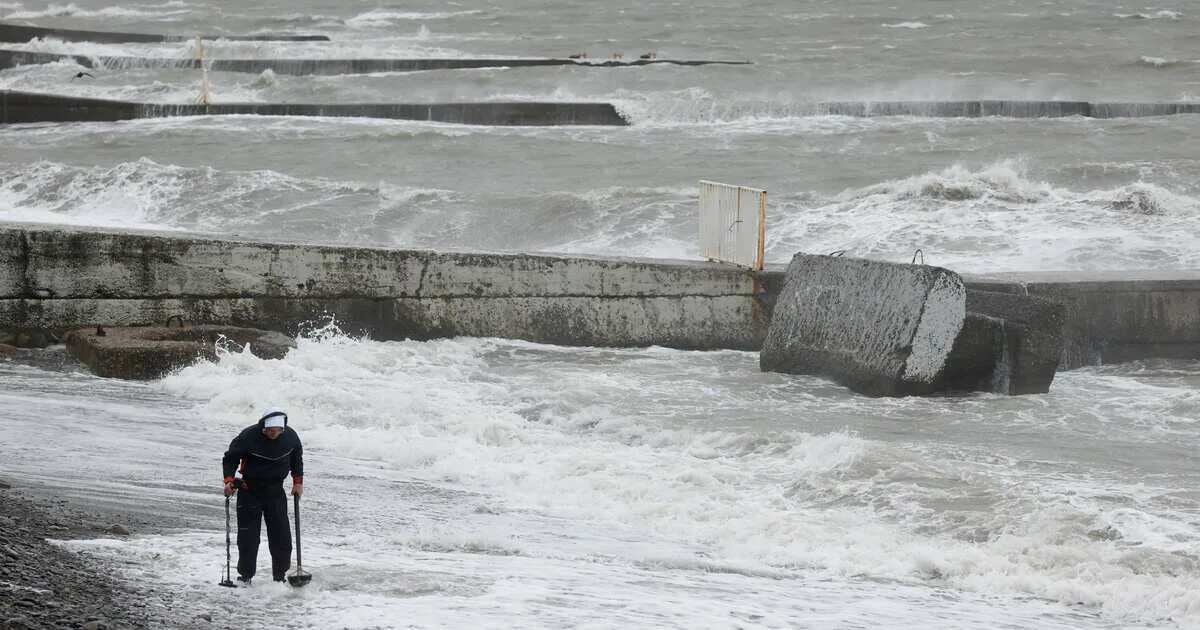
x=24, y=33
x=13, y=58
x=26, y=107
x=1000, y=108
x=29, y=107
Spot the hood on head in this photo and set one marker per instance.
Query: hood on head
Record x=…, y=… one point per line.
x=274, y=415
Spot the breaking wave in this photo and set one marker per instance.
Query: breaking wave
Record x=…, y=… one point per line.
x=996, y=217
x=1162, y=14
x=1003, y=181
x=1148, y=199
x=146, y=194
x=1160, y=62
x=164, y=10
x=382, y=17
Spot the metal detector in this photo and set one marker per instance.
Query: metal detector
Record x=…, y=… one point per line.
x=227, y=582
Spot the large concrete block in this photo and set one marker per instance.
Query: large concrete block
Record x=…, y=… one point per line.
x=879, y=328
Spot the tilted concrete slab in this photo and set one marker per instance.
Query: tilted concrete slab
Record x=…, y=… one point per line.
x=894, y=329
x=879, y=328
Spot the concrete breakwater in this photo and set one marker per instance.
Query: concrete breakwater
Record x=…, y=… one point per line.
x=1113, y=317
x=14, y=58
x=26, y=107
x=30, y=107
x=55, y=278
x=24, y=33
x=1000, y=108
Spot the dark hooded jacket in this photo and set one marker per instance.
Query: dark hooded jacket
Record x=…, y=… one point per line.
x=262, y=461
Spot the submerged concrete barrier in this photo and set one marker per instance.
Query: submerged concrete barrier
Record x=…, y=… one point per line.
x=24, y=33
x=14, y=58
x=27, y=107
x=54, y=277
x=147, y=352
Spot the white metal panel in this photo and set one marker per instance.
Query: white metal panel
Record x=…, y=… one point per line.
x=732, y=224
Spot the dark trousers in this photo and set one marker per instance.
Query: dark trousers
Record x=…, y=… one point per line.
x=254, y=505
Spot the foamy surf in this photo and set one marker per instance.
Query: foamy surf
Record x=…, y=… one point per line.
x=956, y=214
x=614, y=468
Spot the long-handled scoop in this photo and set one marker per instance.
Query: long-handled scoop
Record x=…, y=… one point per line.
x=299, y=577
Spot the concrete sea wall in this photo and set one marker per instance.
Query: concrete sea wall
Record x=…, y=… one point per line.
x=24, y=33
x=27, y=107
x=53, y=277
x=14, y=58
x=1007, y=109
x=1112, y=317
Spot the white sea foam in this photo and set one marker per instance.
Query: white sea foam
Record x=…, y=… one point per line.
x=1148, y=199
x=995, y=217
x=1161, y=14
x=55, y=193
x=146, y=194
x=447, y=477
x=479, y=415
x=700, y=106
x=752, y=111
x=266, y=78
x=383, y=17
x=72, y=10
x=1159, y=62
x=910, y=25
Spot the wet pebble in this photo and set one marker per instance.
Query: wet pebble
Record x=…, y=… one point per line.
x=45, y=586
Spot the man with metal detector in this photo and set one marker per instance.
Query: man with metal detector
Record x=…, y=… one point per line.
x=264, y=453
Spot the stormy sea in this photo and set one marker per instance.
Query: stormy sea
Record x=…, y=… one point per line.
x=478, y=482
